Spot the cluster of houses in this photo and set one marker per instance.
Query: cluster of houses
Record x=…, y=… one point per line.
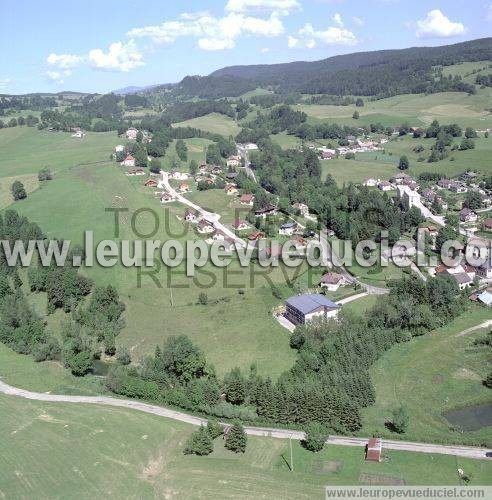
x=355, y=146
x=132, y=132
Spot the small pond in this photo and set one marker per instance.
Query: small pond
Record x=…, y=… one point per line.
x=470, y=418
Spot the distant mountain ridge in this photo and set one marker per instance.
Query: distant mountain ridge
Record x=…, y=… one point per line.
x=364, y=73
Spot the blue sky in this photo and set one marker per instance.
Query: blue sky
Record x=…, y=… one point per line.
x=98, y=46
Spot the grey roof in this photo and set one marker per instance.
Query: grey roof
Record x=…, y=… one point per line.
x=309, y=302
x=289, y=224
x=485, y=297
x=462, y=278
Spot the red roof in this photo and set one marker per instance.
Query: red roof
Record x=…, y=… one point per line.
x=246, y=198
x=373, y=449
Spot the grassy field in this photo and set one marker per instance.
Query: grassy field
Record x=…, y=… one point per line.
x=383, y=165
x=430, y=375
x=416, y=109
x=146, y=460
x=76, y=200
x=213, y=122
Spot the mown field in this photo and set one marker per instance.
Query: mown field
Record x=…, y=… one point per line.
x=86, y=184
x=415, y=109
x=146, y=460
x=432, y=374
x=213, y=122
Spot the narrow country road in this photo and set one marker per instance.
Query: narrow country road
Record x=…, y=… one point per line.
x=210, y=216
x=462, y=451
x=485, y=324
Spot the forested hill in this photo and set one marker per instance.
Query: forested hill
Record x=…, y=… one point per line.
x=378, y=73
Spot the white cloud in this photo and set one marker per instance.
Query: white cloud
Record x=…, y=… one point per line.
x=58, y=76
x=337, y=19
x=308, y=37
x=213, y=33
x=283, y=7
x=120, y=57
x=264, y=50
x=436, y=24
x=358, y=21
x=64, y=61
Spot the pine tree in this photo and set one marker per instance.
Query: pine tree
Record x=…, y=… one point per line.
x=236, y=438
x=199, y=443
x=214, y=428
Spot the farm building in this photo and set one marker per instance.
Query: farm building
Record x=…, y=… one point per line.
x=468, y=215
x=374, y=449
x=302, y=309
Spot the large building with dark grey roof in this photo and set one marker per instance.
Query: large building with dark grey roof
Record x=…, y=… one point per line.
x=304, y=308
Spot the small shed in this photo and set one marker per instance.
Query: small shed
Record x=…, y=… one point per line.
x=374, y=448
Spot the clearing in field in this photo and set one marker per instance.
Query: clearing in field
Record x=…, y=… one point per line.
x=215, y=123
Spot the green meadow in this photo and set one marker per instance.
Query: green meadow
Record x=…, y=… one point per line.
x=146, y=460
x=213, y=122
x=417, y=110
x=86, y=184
x=430, y=375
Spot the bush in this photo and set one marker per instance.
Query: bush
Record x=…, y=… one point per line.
x=316, y=436
x=123, y=356
x=400, y=420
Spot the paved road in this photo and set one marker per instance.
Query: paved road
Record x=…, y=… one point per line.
x=462, y=451
x=485, y=324
x=210, y=216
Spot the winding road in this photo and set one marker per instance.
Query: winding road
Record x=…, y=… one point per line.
x=210, y=216
x=461, y=451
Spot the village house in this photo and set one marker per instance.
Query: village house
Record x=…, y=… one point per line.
x=218, y=236
x=385, y=186
x=166, y=198
x=299, y=242
x=374, y=449
x=288, y=228
x=302, y=208
x=468, y=215
x=485, y=270
x=327, y=155
x=400, y=178
x=179, y=176
x=332, y=281
x=371, y=181
x=131, y=133
x=408, y=195
x=230, y=189
x=485, y=298
x=202, y=168
x=256, y=235
x=119, y=148
x=266, y=211
x=216, y=169
x=246, y=199
x=78, y=133
x=205, y=226
x=184, y=188
x=302, y=309
x=240, y=225
x=463, y=275
x=233, y=161
x=444, y=183
x=413, y=185
x=129, y=161
x=150, y=183
x=487, y=225
x=135, y=171
x=190, y=215
x=458, y=188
